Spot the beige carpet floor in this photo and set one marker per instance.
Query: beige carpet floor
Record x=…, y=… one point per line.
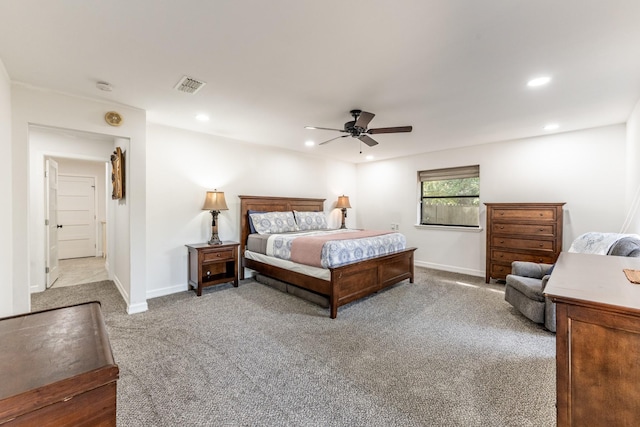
x=76, y=271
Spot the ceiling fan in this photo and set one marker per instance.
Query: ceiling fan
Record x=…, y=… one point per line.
x=357, y=128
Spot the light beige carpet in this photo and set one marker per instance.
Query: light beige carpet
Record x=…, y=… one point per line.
x=76, y=271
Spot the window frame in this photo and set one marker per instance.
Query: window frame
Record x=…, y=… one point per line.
x=462, y=172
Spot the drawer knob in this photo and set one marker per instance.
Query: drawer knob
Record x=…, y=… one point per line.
x=218, y=255
x=501, y=241
x=542, y=229
x=541, y=245
x=501, y=227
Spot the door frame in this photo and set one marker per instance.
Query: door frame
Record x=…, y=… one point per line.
x=37, y=214
x=52, y=271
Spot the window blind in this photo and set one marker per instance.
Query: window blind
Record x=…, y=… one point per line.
x=450, y=173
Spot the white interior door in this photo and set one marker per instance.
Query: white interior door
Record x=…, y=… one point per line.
x=76, y=216
x=51, y=221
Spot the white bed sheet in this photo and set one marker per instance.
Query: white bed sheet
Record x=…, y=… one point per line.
x=320, y=273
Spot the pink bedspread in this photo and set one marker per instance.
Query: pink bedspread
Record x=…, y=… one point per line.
x=308, y=249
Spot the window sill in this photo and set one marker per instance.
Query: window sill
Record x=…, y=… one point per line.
x=449, y=227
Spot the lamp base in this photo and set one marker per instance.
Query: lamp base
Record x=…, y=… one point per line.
x=215, y=240
x=344, y=216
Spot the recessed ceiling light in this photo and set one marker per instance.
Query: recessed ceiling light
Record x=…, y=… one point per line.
x=539, y=81
x=310, y=127
x=202, y=118
x=369, y=157
x=309, y=143
x=551, y=126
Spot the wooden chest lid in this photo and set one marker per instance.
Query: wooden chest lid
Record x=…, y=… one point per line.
x=52, y=355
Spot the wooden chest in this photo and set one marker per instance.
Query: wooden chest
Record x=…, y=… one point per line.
x=522, y=232
x=57, y=369
x=597, y=340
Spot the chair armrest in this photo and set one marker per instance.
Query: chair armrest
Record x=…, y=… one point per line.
x=530, y=269
x=545, y=279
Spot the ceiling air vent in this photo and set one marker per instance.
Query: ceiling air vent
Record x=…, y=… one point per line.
x=189, y=85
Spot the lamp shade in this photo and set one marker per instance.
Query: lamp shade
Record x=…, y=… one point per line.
x=343, y=202
x=214, y=201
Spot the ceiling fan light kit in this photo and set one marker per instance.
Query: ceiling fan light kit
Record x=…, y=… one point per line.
x=357, y=128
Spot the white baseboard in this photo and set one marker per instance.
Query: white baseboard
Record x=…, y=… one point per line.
x=137, y=308
x=131, y=308
x=167, y=291
x=451, y=268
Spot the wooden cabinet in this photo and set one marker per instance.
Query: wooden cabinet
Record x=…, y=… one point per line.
x=57, y=369
x=597, y=340
x=522, y=232
x=212, y=264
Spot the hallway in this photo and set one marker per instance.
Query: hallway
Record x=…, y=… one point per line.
x=76, y=271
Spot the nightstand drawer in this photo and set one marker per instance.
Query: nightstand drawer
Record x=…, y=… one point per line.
x=217, y=255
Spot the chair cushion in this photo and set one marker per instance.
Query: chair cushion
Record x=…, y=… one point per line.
x=627, y=246
x=531, y=288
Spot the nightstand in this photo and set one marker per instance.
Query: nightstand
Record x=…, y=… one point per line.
x=212, y=264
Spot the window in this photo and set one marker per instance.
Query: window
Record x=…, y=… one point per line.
x=450, y=196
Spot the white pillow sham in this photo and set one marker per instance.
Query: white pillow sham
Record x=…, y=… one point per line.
x=311, y=220
x=273, y=222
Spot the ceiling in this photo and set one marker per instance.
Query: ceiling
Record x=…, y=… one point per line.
x=454, y=69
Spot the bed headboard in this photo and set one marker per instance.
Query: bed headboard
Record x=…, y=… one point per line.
x=271, y=204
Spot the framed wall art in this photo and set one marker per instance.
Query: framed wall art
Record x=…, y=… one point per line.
x=117, y=174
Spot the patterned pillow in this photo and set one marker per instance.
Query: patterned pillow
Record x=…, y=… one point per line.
x=273, y=222
x=311, y=220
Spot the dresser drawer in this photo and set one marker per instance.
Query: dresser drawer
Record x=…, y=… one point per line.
x=509, y=257
x=505, y=242
x=500, y=271
x=226, y=254
x=530, y=229
x=539, y=214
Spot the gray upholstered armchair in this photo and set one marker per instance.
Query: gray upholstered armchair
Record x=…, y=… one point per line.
x=525, y=285
x=524, y=289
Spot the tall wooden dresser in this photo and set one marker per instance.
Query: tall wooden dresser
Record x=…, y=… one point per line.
x=522, y=232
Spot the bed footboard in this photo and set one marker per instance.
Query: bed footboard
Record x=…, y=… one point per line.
x=354, y=281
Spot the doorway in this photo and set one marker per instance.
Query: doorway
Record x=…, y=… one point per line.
x=82, y=164
x=81, y=215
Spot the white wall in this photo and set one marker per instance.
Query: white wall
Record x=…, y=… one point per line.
x=183, y=165
x=585, y=169
x=6, y=213
x=632, y=223
x=32, y=106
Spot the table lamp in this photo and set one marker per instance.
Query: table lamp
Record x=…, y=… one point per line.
x=214, y=202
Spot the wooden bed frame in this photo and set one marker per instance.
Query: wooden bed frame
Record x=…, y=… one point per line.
x=348, y=282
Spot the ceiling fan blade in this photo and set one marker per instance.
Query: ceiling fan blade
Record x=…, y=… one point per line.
x=396, y=129
x=329, y=140
x=363, y=119
x=368, y=140
x=316, y=127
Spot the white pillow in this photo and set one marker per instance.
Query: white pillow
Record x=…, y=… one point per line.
x=311, y=220
x=273, y=222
